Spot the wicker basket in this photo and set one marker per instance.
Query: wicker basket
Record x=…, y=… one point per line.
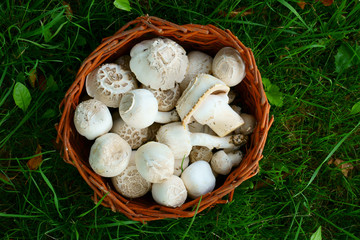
x=250, y=93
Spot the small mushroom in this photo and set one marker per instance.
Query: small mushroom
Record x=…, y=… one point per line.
x=180, y=165
x=109, y=155
x=135, y=137
x=222, y=162
x=249, y=125
x=199, y=62
x=155, y=162
x=166, y=99
x=180, y=140
x=198, y=179
x=159, y=63
x=206, y=101
x=139, y=109
x=92, y=119
x=170, y=193
x=109, y=82
x=199, y=153
x=124, y=61
x=228, y=66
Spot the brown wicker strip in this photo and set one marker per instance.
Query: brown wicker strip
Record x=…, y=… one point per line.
x=250, y=93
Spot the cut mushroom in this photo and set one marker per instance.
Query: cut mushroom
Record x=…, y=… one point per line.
x=206, y=101
x=166, y=99
x=170, y=193
x=222, y=162
x=228, y=66
x=109, y=155
x=180, y=165
x=199, y=153
x=198, y=179
x=199, y=62
x=92, y=119
x=155, y=162
x=135, y=137
x=109, y=82
x=180, y=140
x=139, y=109
x=159, y=63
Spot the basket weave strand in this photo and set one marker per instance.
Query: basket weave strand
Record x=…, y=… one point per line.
x=250, y=93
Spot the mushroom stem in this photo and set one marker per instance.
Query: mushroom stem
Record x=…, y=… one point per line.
x=166, y=117
x=210, y=141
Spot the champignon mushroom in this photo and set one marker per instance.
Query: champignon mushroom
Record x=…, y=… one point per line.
x=155, y=162
x=92, y=119
x=222, y=162
x=228, y=66
x=198, y=179
x=199, y=62
x=180, y=140
x=166, y=99
x=180, y=165
x=139, y=109
x=109, y=155
x=199, y=153
x=135, y=137
x=159, y=63
x=249, y=125
x=170, y=193
x=206, y=101
x=108, y=82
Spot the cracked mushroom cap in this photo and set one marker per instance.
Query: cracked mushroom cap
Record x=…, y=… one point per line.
x=170, y=193
x=200, y=153
x=159, y=63
x=109, y=82
x=166, y=99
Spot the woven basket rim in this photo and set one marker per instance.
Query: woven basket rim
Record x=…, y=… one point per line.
x=192, y=34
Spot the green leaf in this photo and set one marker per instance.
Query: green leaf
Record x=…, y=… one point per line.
x=49, y=113
x=21, y=96
x=51, y=85
x=346, y=57
x=122, y=4
x=273, y=93
x=266, y=82
x=356, y=108
x=316, y=235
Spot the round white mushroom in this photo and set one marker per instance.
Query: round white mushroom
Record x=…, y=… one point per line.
x=223, y=162
x=92, y=119
x=109, y=155
x=170, y=193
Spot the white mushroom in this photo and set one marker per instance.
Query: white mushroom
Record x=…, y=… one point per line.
x=199, y=62
x=206, y=101
x=222, y=162
x=92, y=119
x=170, y=193
x=159, y=63
x=180, y=165
x=124, y=61
x=166, y=99
x=139, y=109
x=109, y=155
x=249, y=125
x=135, y=137
x=228, y=66
x=130, y=183
x=198, y=179
x=199, y=153
x=108, y=82
x=155, y=162
x=180, y=140
x=232, y=96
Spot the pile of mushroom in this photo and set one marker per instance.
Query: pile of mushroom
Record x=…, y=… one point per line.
x=162, y=122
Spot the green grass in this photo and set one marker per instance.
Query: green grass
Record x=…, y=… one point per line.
x=294, y=48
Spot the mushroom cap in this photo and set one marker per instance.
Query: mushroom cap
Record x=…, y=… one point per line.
x=228, y=66
x=176, y=137
x=222, y=162
x=249, y=125
x=109, y=155
x=197, y=91
x=92, y=118
x=130, y=183
x=180, y=163
x=155, y=162
x=198, y=179
x=199, y=62
x=135, y=137
x=124, y=61
x=170, y=193
x=159, y=63
x=166, y=99
x=108, y=82
x=200, y=153
x=138, y=108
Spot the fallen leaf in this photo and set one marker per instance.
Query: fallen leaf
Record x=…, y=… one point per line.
x=327, y=2
x=32, y=77
x=301, y=4
x=35, y=162
x=68, y=10
x=345, y=167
